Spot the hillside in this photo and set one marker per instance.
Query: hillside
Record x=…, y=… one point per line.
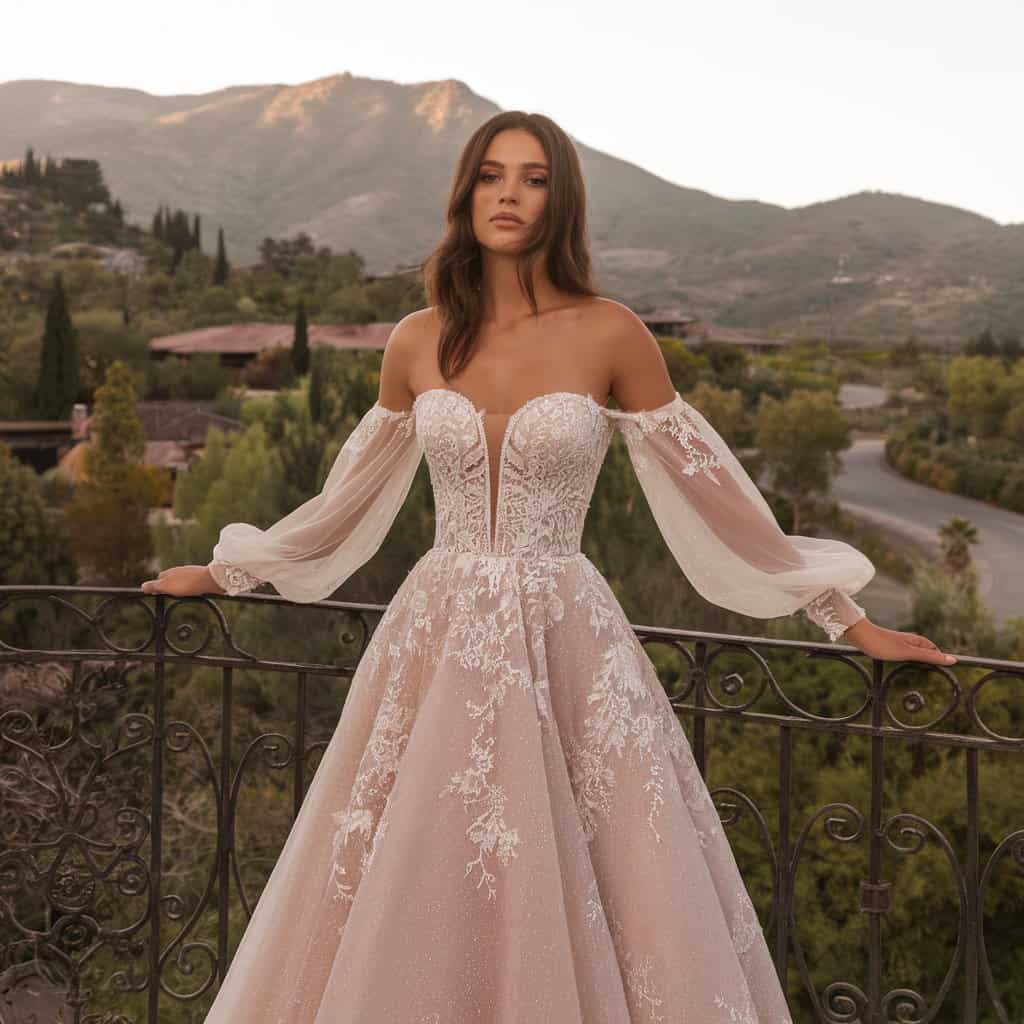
x=365, y=163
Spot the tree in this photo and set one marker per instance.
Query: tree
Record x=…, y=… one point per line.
x=979, y=397
x=907, y=353
x=300, y=341
x=108, y=515
x=957, y=535
x=57, y=387
x=982, y=345
x=320, y=369
x=799, y=441
x=196, y=235
x=30, y=168
x=35, y=549
x=1011, y=348
x=221, y=268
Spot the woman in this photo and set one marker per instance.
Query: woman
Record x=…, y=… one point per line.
x=508, y=823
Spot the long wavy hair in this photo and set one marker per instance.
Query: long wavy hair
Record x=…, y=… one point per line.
x=452, y=273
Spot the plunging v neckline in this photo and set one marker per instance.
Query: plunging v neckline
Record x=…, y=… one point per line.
x=479, y=413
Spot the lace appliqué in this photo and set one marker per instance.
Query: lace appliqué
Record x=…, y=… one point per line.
x=482, y=639
x=364, y=819
x=642, y=994
x=823, y=612
x=233, y=579
x=670, y=418
x=629, y=717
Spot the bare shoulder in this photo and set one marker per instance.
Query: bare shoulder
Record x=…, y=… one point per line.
x=405, y=347
x=639, y=375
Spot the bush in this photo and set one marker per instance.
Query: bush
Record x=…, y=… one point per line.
x=1011, y=494
x=271, y=369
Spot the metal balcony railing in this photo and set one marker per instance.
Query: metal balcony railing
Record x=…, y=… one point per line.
x=130, y=858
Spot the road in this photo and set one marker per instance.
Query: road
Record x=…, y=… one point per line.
x=868, y=487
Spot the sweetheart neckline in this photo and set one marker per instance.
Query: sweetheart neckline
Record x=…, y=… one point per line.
x=587, y=397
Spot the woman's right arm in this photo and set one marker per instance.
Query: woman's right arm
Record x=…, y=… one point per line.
x=312, y=550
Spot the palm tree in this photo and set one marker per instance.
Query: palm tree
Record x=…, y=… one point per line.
x=956, y=536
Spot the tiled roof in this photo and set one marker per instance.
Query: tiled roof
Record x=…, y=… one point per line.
x=244, y=338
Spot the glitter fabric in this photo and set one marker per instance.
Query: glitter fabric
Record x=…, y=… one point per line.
x=508, y=824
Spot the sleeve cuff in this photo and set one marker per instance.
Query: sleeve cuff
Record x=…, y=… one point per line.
x=233, y=579
x=834, y=612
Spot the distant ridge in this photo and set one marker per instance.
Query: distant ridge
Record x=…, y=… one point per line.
x=366, y=164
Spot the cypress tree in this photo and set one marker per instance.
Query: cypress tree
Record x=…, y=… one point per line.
x=196, y=239
x=57, y=386
x=158, y=223
x=220, y=268
x=300, y=341
x=320, y=365
x=30, y=170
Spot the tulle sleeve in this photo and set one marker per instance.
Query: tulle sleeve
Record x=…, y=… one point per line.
x=310, y=552
x=723, y=533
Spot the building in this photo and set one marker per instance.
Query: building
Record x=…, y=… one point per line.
x=694, y=332
x=239, y=344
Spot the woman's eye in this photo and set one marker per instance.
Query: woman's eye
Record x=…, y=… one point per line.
x=487, y=175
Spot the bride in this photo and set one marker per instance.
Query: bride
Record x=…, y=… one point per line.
x=508, y=824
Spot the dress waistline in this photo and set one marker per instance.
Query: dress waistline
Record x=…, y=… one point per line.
x=462, y=558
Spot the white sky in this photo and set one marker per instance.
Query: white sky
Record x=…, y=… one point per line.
x=790, y=102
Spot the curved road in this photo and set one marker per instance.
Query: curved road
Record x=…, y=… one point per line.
x=867, y=486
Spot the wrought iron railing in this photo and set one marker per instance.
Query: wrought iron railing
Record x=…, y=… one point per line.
x=124, y=881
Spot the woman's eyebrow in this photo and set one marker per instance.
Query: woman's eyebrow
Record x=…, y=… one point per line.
x=529, y=163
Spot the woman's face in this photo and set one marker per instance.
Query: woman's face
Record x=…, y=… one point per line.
x=513, y=180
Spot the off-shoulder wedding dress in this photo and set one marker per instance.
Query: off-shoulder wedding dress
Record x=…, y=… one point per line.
x=508, y=824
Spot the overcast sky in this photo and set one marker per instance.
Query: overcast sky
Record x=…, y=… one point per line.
x=790, y=102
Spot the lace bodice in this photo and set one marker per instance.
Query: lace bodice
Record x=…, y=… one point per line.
x=526, y=495
x=520, y=484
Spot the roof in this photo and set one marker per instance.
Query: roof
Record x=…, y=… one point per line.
x=728, y=336
x=179, y=420
x=33, y=425
x=250, y=338
x=664, y=315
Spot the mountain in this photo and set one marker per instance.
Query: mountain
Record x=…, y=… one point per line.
x=366, y=164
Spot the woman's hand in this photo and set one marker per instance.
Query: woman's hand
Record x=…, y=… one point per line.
x=893, y=645
x=183, y=581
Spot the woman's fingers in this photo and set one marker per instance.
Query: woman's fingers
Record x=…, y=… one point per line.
x=925, y=650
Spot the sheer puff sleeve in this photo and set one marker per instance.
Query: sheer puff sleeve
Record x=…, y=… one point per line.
x=310, y=552
x=723, y=533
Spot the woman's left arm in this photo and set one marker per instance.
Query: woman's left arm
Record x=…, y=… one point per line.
x=719, y=527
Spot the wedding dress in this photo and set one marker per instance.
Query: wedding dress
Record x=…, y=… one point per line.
x=508, y=824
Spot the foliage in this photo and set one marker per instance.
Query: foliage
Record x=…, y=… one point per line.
x=221, y=268
x=799, y=440
x=58, y=382
x=105, y=338
x=108, y=515
x=35, y=548
x=272, y=368
x=300, y=341
x=982, y=394
x=725, y=409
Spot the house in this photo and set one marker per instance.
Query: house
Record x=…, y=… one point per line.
x=238, y=344
x=694, y=332
x=175, y=434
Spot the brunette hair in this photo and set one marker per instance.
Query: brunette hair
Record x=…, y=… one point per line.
x=452, y=272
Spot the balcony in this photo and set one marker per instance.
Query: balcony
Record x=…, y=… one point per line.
x=153, y=758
